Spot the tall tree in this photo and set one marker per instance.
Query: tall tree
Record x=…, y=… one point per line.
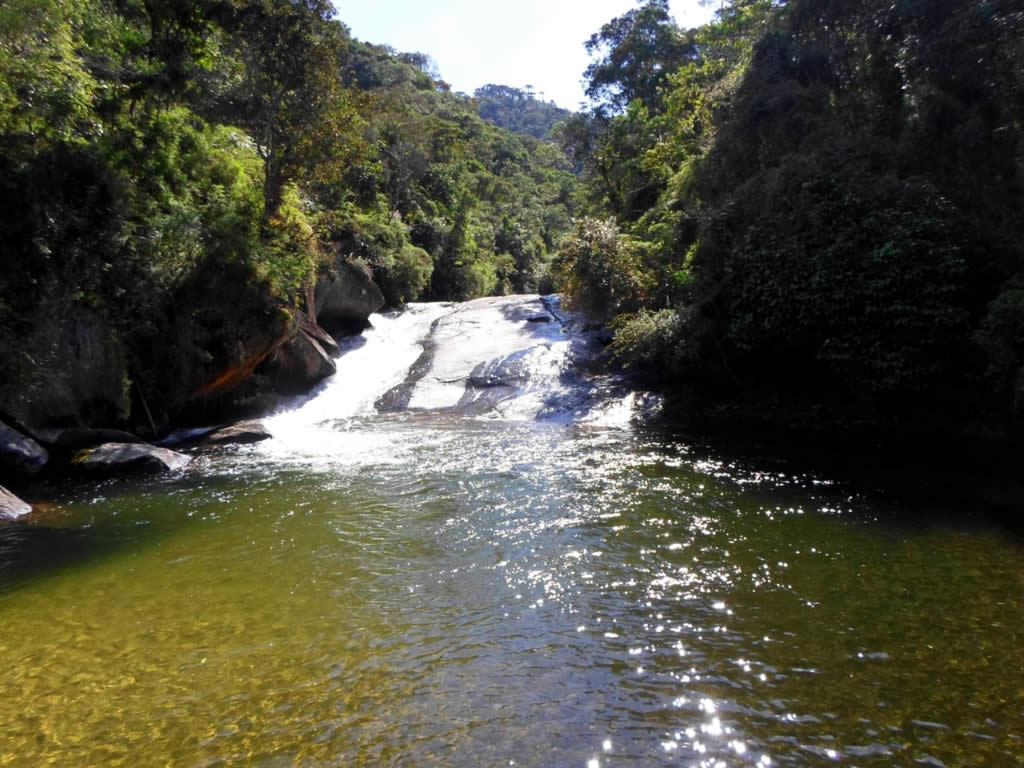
x=638, y=51
x=291, y=96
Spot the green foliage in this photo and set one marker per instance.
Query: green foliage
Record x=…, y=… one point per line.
x=304, y=122
x=640, y=49
x=1002, y=336
x=518, y=110
x=410, y=274
x=827, y=191
x=286, y=256
x=46, y=92
x=602, y=270
x=877, y=301
x=476, y=198
x=195, y=194
x=649, y=339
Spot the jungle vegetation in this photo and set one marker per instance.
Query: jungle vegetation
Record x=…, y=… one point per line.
x=821, y=200
x=181, y=169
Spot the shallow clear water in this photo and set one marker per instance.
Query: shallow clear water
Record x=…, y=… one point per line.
x=433, y=590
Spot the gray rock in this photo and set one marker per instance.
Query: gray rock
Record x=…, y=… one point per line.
x=322, y=337
x=300, y=364
x=346, y=298
x=128, y=458
x=20, y=454
x=242, y=432
x=11, y=507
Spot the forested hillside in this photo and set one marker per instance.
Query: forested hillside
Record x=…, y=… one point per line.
x=519, y=110
x=174, y=173
x=818, y=200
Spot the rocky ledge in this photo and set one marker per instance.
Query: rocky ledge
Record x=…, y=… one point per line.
x=11, y=507
x=128, y=458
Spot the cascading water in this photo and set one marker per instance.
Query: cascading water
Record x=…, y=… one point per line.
x=514, y=358
x=444, y=558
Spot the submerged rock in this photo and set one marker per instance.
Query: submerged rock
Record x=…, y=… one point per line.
x=128, y=458
x=20, y=454
x=241, y=433
x=11, y=507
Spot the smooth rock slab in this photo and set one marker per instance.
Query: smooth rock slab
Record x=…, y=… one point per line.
x=11, y=507
x=240, y=433
x=129, y=458
x=19, y=453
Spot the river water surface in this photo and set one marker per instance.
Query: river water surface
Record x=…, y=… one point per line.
x=438, y=586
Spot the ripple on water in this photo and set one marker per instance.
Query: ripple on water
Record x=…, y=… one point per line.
x=415, y=590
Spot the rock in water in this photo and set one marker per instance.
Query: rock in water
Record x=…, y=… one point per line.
x=129, y=458
x=243, y=432
x=20, y=454
x=11, y=507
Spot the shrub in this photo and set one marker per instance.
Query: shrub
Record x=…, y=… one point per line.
x=602, y=271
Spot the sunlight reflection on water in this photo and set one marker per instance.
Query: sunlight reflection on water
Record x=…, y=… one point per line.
x=425, y=589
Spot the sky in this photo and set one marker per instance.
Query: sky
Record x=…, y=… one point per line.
x=520, y=43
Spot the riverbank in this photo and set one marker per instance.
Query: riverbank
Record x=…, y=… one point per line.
x=921, y=459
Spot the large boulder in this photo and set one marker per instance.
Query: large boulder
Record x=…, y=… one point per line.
x=344, y=299
x=20, y=454
x=242, y=432
x=128, y=458
x=300, y=364
x=227, y=323
x=11, y=507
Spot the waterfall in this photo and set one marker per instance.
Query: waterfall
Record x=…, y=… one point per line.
x=514, y=358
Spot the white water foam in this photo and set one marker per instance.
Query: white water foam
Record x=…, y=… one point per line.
x=369, y=366
x=493, y=359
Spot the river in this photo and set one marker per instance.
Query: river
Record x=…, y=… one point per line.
x=514, y=574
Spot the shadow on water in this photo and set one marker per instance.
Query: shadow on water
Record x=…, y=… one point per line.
x=910, y=487
x=88, y=523
x=29, y=551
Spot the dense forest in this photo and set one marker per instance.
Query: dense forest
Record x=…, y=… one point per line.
x=519, y=110
x=175, y=174
x=814, y=204
x=811, y=204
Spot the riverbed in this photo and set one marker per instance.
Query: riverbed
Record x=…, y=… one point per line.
x=539, y=582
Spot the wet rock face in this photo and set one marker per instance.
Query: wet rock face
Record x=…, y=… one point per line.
x=513, y=357
x=19, y=454
x=128, y=458
x=11, y=507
